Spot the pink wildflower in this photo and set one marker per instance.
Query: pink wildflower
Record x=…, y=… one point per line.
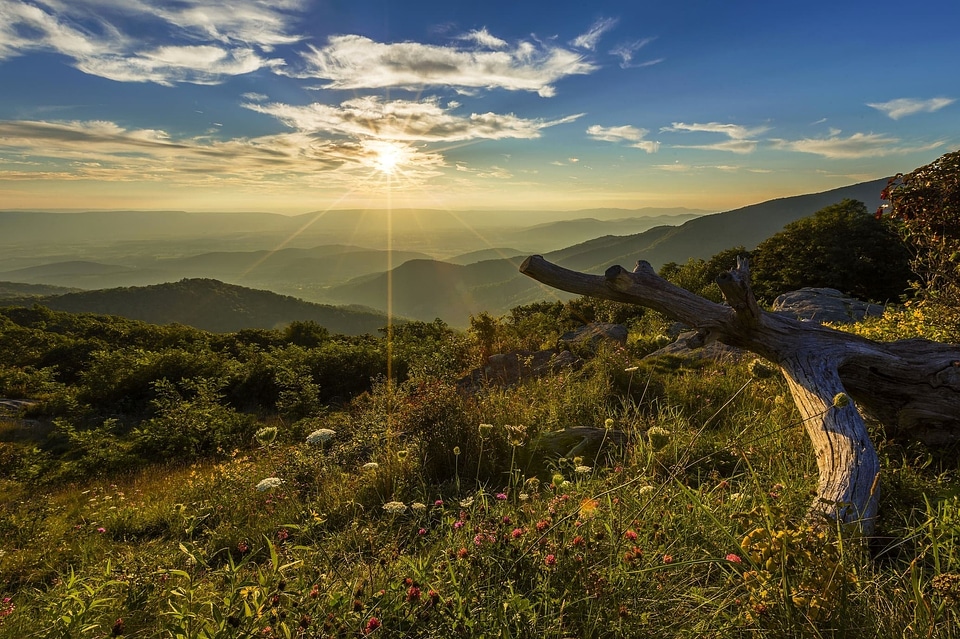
x=550, y=560
x=734, y=558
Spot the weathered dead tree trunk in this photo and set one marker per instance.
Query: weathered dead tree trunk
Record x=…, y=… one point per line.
x=912, y=387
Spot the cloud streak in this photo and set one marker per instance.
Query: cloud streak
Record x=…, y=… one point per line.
x=902, y=107
x=100, y=150
x=626, y=133
x=627, y=50
x=857, y=145
x=740, y=138
x=590, y=39
x=195, y=41
x=357, y=62
x=405, y=120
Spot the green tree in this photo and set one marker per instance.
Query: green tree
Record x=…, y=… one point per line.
x=926, y=202
x=841, y=246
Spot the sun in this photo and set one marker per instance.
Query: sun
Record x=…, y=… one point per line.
x=388, y=157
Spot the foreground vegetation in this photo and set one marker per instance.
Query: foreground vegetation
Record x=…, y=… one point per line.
x=183, y=484
x=166, y=482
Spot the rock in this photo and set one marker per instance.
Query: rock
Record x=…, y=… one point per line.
x=687, y=347
x=509, y=368
x=591, y=335
x=824, y=305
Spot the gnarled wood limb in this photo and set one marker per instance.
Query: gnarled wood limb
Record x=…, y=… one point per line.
x=912, y=387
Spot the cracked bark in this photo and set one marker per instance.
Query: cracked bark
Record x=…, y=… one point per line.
x=912, y=387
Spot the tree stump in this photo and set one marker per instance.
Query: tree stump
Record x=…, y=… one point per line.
x=911, y=387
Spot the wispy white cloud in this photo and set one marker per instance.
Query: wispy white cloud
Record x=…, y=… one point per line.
x=590, y=39
x=197, y=41
x=733, y=131
x=740, y=138
x=484, y=38
x=625, y=133
x=903, y=107
x=357, y=62
x=104, y=150
x=423, y=121
x=627, y=50
x=857, y=145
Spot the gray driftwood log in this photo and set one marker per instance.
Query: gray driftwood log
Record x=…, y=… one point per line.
x=911, y=387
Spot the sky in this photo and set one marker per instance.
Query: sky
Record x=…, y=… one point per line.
x=293, y=106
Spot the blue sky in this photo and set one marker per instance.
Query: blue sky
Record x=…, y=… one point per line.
x=300, y=105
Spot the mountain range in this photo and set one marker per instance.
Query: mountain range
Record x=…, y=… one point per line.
x=209, y=305
x=414, y=284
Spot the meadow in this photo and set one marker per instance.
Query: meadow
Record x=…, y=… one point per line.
x=293, y=483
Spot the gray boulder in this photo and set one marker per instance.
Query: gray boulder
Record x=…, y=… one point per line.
x=824, y=305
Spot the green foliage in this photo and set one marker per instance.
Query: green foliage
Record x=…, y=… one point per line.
x=926, y=202
x=700, y=276
x=434, y=512
x=842, y=247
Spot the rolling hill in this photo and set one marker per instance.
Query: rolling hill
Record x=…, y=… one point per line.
x=428, y=289
x=211, y=305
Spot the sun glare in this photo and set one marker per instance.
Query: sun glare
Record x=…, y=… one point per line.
x=389, y=157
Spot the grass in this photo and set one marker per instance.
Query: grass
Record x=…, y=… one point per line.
x=694, y=528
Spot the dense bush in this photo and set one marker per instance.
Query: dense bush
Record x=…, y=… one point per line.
x=841, y=246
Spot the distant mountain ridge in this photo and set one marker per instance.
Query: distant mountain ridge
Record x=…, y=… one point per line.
x=437, y=290
x=211, y=305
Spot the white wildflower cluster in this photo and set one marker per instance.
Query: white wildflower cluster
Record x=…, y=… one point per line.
x=269, y=483
x=395, y=507
x=321, y=436
x=582, y=470
x=371, y=466
x=418, y=507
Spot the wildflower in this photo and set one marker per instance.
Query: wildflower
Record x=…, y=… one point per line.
x=516, y=435
x=582, y=470
x=315, y=591
x=321, y=436
x=434, y=597
x=517, y=533
x=578, y=541
x=645, y=489
x=550, y=560
x=266, y=435
x=439, y=502
x=658, y=437
x=462, y=553
x=735, y=558
x=841, y=400
x=371, y=466
x=395, y=507
x=588, y=507
x=418, y=507
x=556, y=480
x=668, y=559
x=282, y=534
x=422, y=531
x=542, y=525
x=501, y=496
x=413, y=594
x=101, y=530
x=533, y=483
x=466, y=503
x=456, y=451
x=608, y=423
x=243, y=547
x=458, y=524
x=485, y=429
x=402, y=454
x=269, y=484
x=523, y=496
x=372, y=624
x=506, y=520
